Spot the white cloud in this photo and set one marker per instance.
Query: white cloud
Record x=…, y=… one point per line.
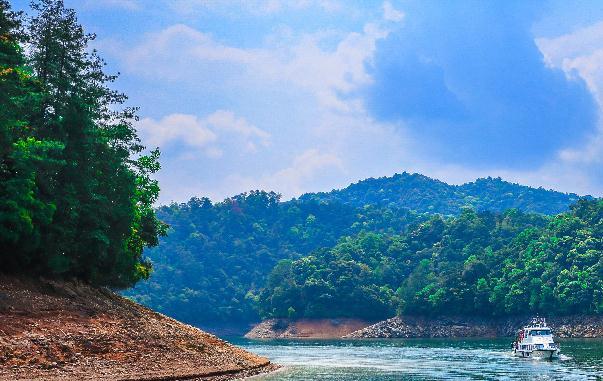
x=208, y=133
x=292, y=180
x=580, y=53
x=212, y=152
x=327, y=68
x=392, y=14
x=226, y=121
x=305, y=166
x=180, y=52
x=186, y=128
x=329, y=75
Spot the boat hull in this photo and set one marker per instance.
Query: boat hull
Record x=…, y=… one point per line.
x=547, y=354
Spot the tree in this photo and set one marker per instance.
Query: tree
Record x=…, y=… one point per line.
x=26, y=161
x=104, y=216
x=77, y=193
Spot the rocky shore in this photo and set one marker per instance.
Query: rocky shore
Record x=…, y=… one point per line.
x=305, y=328
x=422, y=327
x=70, y=331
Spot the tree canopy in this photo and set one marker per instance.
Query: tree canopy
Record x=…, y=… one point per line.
x=254, y=255
x=217, y=255
x=488, y=264
x=423, y=194
x=77, y=194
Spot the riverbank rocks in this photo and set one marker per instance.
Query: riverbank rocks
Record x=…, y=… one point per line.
x=450, y=327
x=305, y=328
x=71, y=331
x=421, y=327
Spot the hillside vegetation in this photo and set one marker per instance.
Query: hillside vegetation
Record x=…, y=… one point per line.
x=216, y=256
x=482, y=264
x=213, y=266
x=423, y=194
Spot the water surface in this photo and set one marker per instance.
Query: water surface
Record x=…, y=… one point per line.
x=424, y=359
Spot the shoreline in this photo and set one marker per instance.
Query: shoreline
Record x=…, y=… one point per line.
x=247, y=374
x=277, y=369
x=306, y=328
x=576, y=326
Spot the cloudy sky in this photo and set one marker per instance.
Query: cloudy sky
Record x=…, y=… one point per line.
x=307, y=95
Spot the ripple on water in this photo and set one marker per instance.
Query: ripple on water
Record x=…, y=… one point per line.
x=377, y=360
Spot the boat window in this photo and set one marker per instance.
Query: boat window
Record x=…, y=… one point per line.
x=540, y=332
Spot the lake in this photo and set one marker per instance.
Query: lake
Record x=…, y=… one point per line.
x=424, y=359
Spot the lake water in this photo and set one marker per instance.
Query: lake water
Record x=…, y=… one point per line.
x=424, y=359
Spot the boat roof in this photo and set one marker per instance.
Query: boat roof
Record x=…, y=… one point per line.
x=537, y=323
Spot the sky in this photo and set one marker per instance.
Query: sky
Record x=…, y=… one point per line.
x=304, y=95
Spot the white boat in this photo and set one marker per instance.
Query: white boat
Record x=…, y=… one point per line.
x=536, y=340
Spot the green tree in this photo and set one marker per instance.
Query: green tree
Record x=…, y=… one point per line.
x=26, y=162
x=104, y=216
x=77, y=194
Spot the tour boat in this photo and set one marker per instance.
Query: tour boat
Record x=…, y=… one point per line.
x=536, y=340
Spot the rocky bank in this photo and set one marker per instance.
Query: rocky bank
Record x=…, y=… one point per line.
x=305, y=328
x=70, y=331
x=422, y=327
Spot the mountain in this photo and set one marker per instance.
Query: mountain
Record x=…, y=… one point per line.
x=215, y=261
x=423, y=194
x=217, y=255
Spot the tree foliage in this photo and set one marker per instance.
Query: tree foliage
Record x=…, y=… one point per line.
x=216, y=257
x=423, y=194
x=214, y=266
x=475, y=264
x=77, y=191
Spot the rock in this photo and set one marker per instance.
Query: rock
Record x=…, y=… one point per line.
x=305, y=328
x=421, y=327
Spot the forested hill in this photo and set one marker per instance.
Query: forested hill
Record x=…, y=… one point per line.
x=214, y=263
x=424, y=194
x=217, y=255
x=481, y=264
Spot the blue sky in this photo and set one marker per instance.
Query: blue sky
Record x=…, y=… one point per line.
x=305, y=95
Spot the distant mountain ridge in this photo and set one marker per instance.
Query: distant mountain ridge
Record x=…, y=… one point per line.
x=217, y=257
x=426, y=195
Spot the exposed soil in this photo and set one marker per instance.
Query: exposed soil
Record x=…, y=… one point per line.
x=305, y=328
x=68, y=331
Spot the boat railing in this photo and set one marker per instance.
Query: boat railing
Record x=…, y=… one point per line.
x=538, y=322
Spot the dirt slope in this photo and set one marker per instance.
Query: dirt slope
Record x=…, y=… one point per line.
x=67, y=331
